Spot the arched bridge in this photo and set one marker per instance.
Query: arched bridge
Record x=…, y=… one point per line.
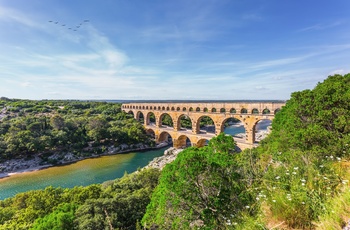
x=249, y=113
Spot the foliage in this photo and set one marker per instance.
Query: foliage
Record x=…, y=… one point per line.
x=61, y=218
x=201, y=187
x=64, y=126
x=297, y=171
x=120, y=204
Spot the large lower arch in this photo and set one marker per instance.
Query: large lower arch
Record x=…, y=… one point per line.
x=261, y=129
x=165, y=137
x=182, y=142
x=140, y=117
x=184, y=122
x=234, y=127
x=150, y=132
x=166, y=119
x=205, y=124
x=202, y=142
x=150, y=118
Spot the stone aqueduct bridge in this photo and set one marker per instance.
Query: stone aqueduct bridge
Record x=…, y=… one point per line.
x=249, y=113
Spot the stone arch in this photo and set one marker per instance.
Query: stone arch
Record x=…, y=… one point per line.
x=266, y=111
x=158, y=107
x=140, y=117
x=133, y=107
x=143, y=107
x=277, y=110
x=178, y=109
x=198, y=109
x=181, y=117
x=167, y=108
x=163, y=108
x=222, y=110
x=150, y=118
x=207, y=125
x=172, y=109
x=255, y=111
x=261, y=128
x=233, y=110
x=202, y=142
x=171, y=121
x=150, y=132
x=131, y=113
x=233, y=126
x=244, y=111
x=147, y=107
x=182, y=142
x=205, y=110
x=191, y=109
x=184, y=109
x=165, y=137
x=213, y=110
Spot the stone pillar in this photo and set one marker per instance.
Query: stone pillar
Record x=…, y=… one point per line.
x=195, y=129
x=176, y=143
x=217, y=128
x=175, y=124
x=250, y=133
x=158, y=122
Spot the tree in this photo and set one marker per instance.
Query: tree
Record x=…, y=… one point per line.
x=316, y=119
x=201, y=187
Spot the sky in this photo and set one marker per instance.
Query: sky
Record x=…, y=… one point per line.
x=170, y=50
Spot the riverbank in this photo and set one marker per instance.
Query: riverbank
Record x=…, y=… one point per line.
x=169, y=156
x=15, y=166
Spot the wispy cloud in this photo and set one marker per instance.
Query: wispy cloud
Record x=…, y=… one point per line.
x=320, y=26
x=9, y=14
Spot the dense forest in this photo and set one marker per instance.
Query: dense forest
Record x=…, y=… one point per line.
x=298, y=178
x=31, y=127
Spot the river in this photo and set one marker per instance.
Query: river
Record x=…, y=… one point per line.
x=89, y=171
x=85, y=172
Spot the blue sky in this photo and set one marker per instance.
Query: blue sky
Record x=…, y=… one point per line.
x=162, y=49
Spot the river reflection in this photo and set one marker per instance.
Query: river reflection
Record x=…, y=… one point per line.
x=85, y=172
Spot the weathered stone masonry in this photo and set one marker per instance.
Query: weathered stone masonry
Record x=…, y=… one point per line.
x=247, y=112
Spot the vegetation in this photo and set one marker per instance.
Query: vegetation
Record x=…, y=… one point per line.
x=202, y=187
x=120, y=203
x=298, y=178
x=31, y=127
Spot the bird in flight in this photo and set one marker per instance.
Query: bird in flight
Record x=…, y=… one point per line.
x=73, y=28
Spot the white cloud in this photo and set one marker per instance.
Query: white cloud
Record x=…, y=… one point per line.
x=320, y=26
x=8, y=14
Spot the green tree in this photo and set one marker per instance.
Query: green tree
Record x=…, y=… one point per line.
x=201, y=187
x=61, y=219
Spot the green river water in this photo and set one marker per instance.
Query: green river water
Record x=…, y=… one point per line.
x=85, y=172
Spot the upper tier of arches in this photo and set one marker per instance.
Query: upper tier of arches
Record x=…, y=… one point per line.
x=262, y=108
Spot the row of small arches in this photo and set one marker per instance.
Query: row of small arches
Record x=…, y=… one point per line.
x=205, y=110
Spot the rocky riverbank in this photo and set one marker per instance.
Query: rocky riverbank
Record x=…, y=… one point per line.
x=169, y=156
x=37, y=162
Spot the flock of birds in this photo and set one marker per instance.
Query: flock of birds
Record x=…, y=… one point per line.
x=73, y=28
